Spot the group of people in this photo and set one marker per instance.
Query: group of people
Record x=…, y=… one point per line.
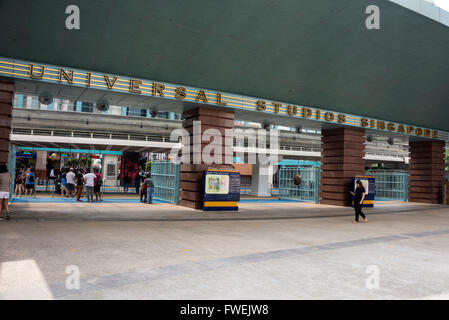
x=24, y=182
x=146, y=189
x=71, y=182
x=92, y=181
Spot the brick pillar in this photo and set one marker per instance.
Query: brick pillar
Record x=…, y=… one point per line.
x=192, y=174
x=427, y=173
x=40, y=170
x=6, y=96
x=342, y=152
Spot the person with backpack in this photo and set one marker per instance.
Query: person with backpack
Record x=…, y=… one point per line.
x=98, y=182
x=18, y=183
x=30, y=182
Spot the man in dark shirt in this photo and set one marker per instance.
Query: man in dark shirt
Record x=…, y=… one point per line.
x=150, y=188
x=359, y=196
x=79, y=185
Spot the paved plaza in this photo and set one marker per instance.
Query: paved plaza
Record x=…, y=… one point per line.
x=268, y=250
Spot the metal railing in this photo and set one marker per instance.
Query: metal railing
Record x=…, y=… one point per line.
x=91, y=134
x=390, y=184
x=309, y=188
x=166, y=177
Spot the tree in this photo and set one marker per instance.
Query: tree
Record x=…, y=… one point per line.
x=148, y=166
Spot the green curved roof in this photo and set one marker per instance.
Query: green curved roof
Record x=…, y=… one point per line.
x=309, y=52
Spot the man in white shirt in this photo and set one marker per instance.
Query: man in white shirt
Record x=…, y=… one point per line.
x=70, y=185
x=89, y=183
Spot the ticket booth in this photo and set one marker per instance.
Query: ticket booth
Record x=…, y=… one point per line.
x=370, y=188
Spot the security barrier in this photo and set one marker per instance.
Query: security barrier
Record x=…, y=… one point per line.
x=309, y=188
x=390, y=184
x=165, y=176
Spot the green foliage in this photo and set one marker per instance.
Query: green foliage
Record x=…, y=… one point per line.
x=82, y=162
x=148, y=166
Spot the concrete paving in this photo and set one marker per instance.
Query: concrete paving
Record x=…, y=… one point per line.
x=264, y=251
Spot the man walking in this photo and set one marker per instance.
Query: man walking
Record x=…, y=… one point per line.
x=89, y=179
x=150, y=187
x=70, y=177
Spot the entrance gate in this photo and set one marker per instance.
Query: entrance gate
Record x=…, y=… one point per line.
x=165, y=175
x=390, y=184
x=308, y=190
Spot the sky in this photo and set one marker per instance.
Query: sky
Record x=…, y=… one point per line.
x=444, y=4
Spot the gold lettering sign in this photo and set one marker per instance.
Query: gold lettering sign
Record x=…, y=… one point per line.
x=88, y=78
x=158, y=88
x=134, y=86
x=64, y=74
x=391, y=126
x=201, y=96
x=261, y=106
x=341, y=118
x=364, y=122
x=292, y=110
x=329, y=116
x=380, y=125
x=180, y=93
x=219, y=102
x=306, y=112
x=36, y=76
x=110, y=83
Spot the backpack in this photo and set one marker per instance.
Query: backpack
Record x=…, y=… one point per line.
x=297, y=179
x=99, y=181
